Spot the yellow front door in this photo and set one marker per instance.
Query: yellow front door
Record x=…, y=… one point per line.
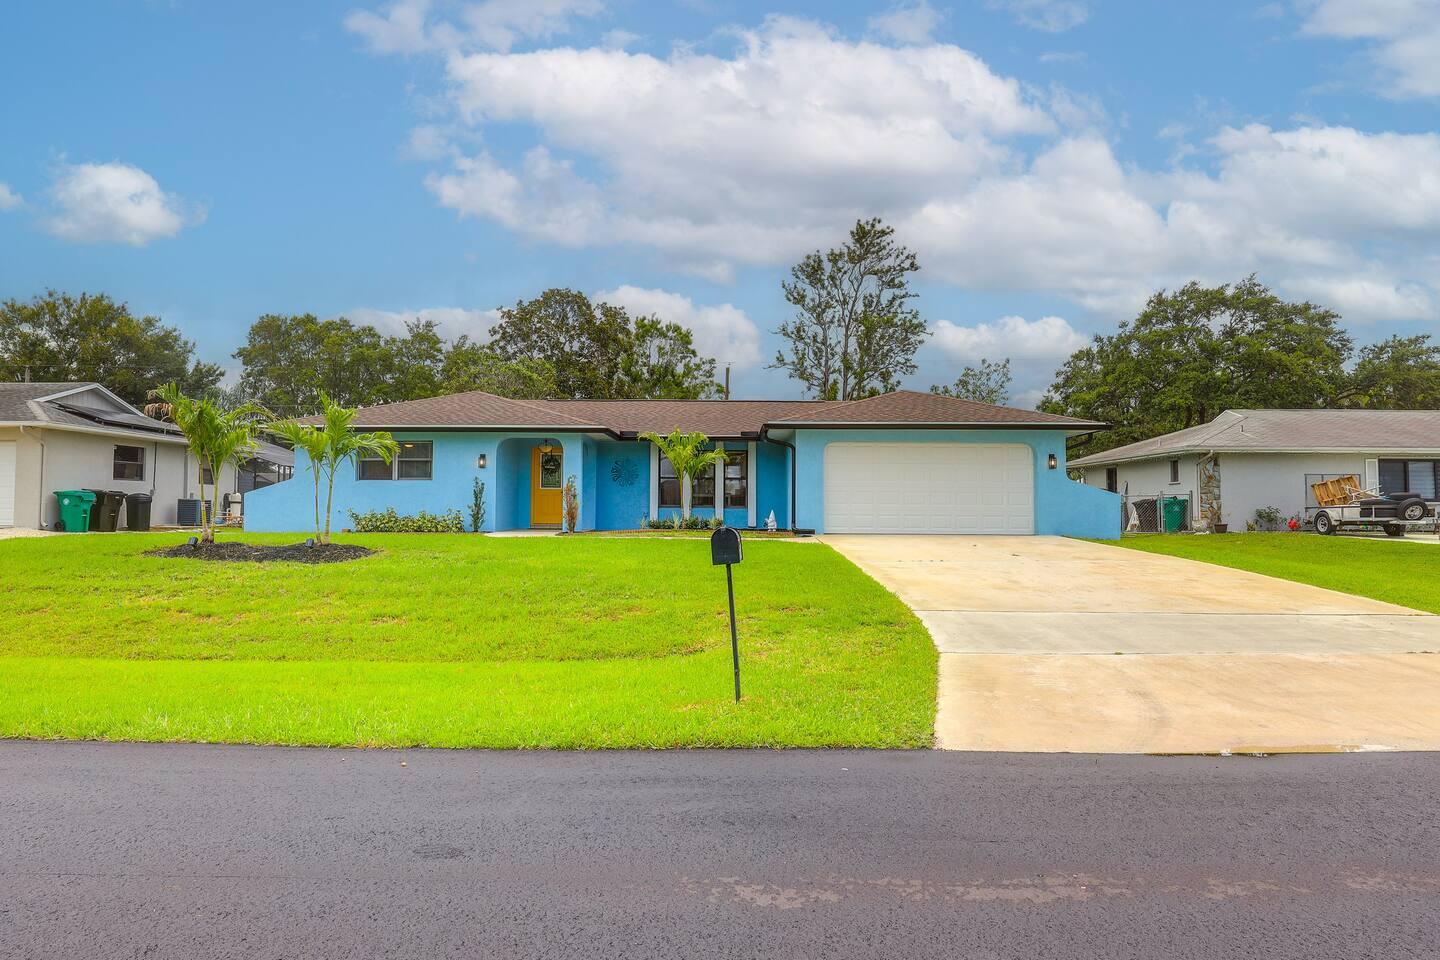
x=547, y=467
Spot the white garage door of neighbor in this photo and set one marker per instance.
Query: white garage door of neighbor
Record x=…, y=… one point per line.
x=7, y=483
x=929, y=488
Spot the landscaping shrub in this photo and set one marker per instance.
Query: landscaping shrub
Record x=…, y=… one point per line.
x=692, y=523
x=388, y=521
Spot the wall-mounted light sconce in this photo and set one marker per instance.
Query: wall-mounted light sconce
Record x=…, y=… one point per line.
x=480, y=461
x=1053, y=462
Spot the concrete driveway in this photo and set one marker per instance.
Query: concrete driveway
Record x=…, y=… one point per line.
x=1050, y=644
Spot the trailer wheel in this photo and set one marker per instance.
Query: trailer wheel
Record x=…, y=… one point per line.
x=1323, y=524
x=1412, y=509
x=1394, y=530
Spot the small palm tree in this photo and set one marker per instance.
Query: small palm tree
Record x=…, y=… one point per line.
x=343, y=445
x=216, y=436
x=687, y=454
x=311, y=440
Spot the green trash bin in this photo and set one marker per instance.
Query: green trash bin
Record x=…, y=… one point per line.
x=75, y=506
x=1175, y=511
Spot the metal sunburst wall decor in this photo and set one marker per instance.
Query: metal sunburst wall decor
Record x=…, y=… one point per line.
x=624, y=472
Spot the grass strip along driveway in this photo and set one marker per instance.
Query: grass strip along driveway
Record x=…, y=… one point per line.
x=457, y=641
x=1404, y=574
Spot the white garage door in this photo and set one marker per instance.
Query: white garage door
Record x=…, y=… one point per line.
x=7, y=483
x=929, y=488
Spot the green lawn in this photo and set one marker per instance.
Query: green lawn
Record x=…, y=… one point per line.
x=1407, y=574
x=450, y=640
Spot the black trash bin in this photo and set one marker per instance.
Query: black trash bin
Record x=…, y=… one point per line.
x=105, y=515
x=137, y=511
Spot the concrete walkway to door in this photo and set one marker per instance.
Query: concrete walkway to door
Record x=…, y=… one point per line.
x=1050, y=644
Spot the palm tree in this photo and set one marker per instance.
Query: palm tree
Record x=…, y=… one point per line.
x=342, y=445
x=216, y=436
x=303, y=436
x=687, y=454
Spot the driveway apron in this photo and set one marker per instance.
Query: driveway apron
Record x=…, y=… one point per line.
x=1056, y=645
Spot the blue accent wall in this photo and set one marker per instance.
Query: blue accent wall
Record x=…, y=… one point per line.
x=1062, y=506
x=772, y=476
x=622, y=480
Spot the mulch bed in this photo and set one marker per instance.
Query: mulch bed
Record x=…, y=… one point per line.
x=233, y=552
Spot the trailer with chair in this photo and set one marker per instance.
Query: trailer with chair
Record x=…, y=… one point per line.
x=1343, y=502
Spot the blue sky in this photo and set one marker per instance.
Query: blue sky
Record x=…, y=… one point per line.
x=1051, y=161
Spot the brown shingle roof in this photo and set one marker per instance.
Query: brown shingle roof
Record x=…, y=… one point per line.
x=723, y=419
x=714, y=418
x=476, y=409
x=914, y=407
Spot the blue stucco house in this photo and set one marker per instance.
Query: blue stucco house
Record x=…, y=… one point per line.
x=901, y=462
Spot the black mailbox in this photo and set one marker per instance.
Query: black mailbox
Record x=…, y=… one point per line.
x=725, y=546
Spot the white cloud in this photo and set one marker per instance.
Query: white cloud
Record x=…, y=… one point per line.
x=750, y=158
x=405, y=26
x=451, y=321
x=1046, y=339
x=9, y=199
x=401, y=28
x=722, y=332
x=1403, y=38
x=115, y=203
x=1052, y=16
x=907, y=22
x=762, y=154
x=500, y=24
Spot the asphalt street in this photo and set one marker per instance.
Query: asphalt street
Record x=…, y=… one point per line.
x=193, y=851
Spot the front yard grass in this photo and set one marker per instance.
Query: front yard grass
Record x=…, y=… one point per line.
x=1405, y=574
x=457, y=641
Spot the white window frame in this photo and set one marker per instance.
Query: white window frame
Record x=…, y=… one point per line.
x=395, y=465
x=115, y=462
x=1175, y=470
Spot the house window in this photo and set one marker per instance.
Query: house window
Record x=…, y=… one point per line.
x=702, y=488
x=669, y=484
x=737, y=478
x=129, y=463
x=413, y=462
x=1174, y=471
x=1408, y=476
x=207, y=476
x=1112, y=479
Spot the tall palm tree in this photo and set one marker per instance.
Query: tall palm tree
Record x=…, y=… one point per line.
x=342, y=445
x=687, y=454
x=311, y=440
x=216, y=436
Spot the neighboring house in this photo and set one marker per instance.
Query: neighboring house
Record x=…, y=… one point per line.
x=1246, y=460
x=77, y=436
x=902, y=462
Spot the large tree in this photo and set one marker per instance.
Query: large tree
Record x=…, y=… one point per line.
x=470, y=365
x=289, y=361
x=1196, y=351
x=59, y=337
x=599, y=352
x=987, y=383
x=854, y=332
x=1401, y=373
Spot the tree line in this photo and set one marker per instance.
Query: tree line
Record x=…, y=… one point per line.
x=853, y=332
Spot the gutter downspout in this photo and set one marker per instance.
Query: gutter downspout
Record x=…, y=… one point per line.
x=24, y=431
x=794, y=466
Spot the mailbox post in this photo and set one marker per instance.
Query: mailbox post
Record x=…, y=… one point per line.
x=725, y=549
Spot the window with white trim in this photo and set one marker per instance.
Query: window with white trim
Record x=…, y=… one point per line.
x=414, y=461
x=1174, y=471
x=668, y=484
x=737, y=479
x=129, y=463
